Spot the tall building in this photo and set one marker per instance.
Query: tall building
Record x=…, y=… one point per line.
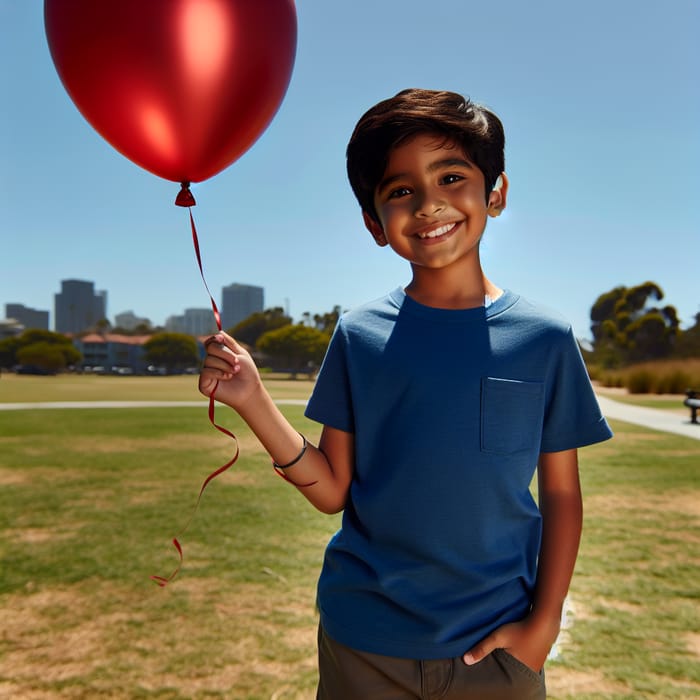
x=193, y=322
x=238, y=301
x=199, y=322
x=78, y=307
x=29, y=318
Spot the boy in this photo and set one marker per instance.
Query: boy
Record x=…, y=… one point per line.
x=438, y=402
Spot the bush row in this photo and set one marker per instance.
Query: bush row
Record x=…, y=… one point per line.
x=659, y=377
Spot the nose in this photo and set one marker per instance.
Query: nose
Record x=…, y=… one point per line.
x=428, y=203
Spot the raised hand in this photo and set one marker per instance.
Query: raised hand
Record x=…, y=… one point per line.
x=228, y=372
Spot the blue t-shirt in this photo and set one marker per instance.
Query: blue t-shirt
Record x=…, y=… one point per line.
x=450, y=410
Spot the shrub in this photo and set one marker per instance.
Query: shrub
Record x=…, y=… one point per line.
x=660, y=377
x=675, y=381
x=640, y=381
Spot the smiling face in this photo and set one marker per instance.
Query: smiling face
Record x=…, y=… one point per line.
x=431, y=204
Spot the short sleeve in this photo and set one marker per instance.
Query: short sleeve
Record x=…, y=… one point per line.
x=572, y=416
x=331, y=399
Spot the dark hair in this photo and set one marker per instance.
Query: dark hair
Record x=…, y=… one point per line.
x=471, y=127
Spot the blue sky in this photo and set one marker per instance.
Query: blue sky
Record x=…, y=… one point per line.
x=601, y=108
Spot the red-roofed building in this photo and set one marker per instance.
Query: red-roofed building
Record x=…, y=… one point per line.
x=113, y=350
x=110, y=352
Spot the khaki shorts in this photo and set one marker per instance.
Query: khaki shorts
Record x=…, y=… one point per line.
x=346, y=674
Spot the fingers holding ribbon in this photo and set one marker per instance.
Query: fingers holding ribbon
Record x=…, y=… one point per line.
x=228, y=370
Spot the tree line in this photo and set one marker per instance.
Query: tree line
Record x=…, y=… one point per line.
x=631, y=325
x=272, y=337
x=628, y=325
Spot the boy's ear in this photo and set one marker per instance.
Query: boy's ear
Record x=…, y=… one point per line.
x=498, y=196
x=375, y=229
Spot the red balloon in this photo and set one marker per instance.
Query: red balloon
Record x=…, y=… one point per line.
x=181, y=87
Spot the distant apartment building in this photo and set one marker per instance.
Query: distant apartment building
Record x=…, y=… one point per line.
x=29, y=318
x=129, y=321
x=193, y=322
x=10, y=327
x=238, y=301
x=78, y=307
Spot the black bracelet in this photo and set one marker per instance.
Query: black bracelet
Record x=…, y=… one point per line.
x=295, y=460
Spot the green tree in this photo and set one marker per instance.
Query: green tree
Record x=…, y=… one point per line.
x=328, y=321
x=627, y=328
x=144, y=328
x=174, y=351
x=103, y=326
x=688, y=344
x=297, y=348
x=45, y=349
x=44, y=355
x=250, y=329
x=8, y=351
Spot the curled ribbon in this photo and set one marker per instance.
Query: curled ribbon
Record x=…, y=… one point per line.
x=185, y=199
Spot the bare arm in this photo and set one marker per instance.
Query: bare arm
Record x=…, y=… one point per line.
x=324, y=473
x=562, y=519
x=562, y=515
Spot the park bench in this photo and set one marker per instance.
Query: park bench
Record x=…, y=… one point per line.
x=692, y=401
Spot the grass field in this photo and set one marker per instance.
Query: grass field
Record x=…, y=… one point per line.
x=86, y=387
x=90, y=499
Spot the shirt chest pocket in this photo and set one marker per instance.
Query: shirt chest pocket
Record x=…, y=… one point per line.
x=511, y=415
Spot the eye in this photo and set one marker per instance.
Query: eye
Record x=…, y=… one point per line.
x=398, y=192
x=451, y=178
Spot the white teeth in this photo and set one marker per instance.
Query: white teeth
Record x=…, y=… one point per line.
x=436, y=232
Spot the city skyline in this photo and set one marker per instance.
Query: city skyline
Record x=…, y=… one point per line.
x=197, y=316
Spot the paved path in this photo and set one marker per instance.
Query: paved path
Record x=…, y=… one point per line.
x=666, y=421
x=123, y=404
x=95, y=404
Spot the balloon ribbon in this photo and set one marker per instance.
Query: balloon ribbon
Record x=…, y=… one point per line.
x=185, y=199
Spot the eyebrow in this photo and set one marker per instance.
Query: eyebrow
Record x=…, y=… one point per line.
x=433, y=167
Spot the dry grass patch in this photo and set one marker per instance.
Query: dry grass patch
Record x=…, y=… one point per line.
x=12, y=477
x=573, y=683
x=243, y=639
x=692, y=641
x=686, y=503
x=36, y=535
x=41, y=475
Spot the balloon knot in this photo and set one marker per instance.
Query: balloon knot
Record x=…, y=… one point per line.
x=185, y=197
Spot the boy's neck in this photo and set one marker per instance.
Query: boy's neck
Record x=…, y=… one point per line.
x=440, y=289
